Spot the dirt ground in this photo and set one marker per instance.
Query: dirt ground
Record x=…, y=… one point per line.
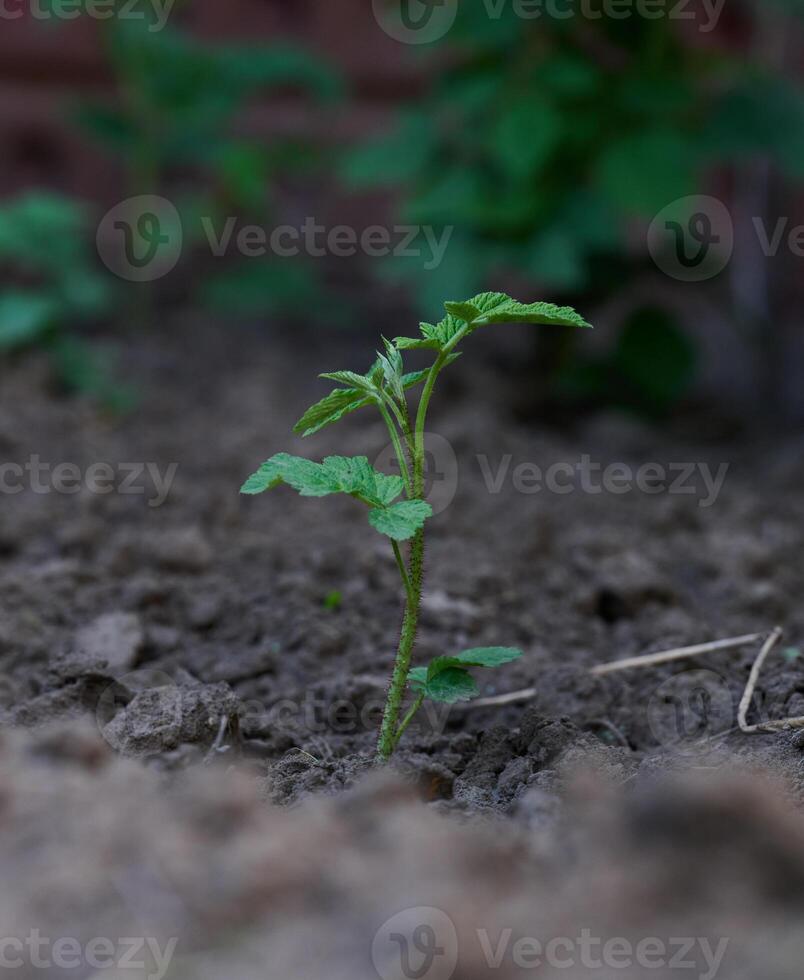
x=189, y=693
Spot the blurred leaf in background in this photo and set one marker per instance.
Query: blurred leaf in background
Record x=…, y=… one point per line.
x=51, y=286
x=651, y=366
x=546, y=143
x=175, y=122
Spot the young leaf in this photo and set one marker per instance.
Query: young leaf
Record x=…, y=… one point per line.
x=481, y=304
x=448, y=686
x=488, y=308
x=331, y=409
x=351, y=379
x=391, y=364
x=451, y=685
x=446, y=679
x=434, y=337
x=488, y=656
x=352, y=475
x=342, y=401
x=429, y=339
x=400, y=521
x=356, y=476
x=309, y=478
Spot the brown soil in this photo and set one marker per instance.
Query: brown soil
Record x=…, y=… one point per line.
x=166, y=644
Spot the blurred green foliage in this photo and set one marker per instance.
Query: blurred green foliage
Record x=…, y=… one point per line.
x=547, y=143
x=540, y=141
x=175, y=120
x=51, y=286
x=650, y=366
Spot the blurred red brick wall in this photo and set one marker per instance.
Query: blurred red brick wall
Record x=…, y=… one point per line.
x=45, y=66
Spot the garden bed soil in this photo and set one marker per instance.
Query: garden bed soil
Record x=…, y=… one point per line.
x=189, y=693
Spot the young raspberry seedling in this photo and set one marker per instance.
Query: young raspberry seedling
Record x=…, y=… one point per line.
x=385, y=386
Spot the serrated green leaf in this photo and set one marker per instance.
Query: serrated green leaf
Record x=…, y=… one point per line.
x=265, y=478
x=445, y=678
x=337, y=474
x=481, y=304
x=489, y=308
x=331, y=409
x=356, y=476
x=451, y=685
x=352, y=475
x=488, y=656
x=351, y=379
x=309, y=478
x=391, y=364
x=434, y=337
x=342, y=401
x=448, y=328
x=400, y=521
x=413, y=343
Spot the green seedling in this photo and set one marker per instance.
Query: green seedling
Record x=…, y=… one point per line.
x=385, y=386
x=333, y=600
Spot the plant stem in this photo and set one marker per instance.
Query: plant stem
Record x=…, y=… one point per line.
x=400, y=564
x=391, y=731
x=400, y=453
x=407, y=639
x=408, y=718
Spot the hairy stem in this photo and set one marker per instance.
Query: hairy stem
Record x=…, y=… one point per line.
x=403, y=572
x=407, y=639
x=408, y=718
x=391, y=730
